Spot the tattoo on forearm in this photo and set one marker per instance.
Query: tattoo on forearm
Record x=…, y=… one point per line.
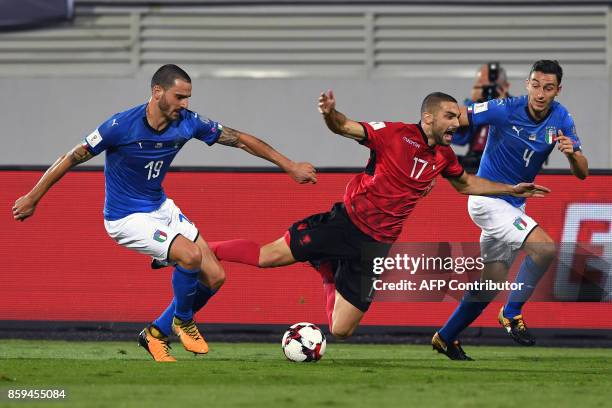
x=229, y=137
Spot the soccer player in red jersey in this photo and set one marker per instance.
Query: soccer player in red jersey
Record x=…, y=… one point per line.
x=405, y=159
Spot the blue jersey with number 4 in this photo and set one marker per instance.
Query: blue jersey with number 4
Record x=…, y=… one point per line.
x=138, y=156
x=518, y=145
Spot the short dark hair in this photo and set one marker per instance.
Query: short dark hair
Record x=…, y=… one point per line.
x=167, y=74
x=433, y=100
x=548, y=67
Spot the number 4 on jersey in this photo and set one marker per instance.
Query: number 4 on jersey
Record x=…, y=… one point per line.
x=527, y=156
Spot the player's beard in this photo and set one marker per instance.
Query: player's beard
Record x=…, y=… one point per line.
x=166, y=110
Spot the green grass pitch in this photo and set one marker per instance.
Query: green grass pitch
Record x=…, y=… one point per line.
x=119, y=374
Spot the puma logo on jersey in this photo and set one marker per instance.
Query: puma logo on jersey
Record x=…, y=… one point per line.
x=114, y=122
x=517, y=130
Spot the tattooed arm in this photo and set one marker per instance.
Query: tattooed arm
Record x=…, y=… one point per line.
x=24, y=206
x=231, y=137
x=300, y=172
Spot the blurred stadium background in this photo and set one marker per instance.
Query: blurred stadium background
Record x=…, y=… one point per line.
x=259, y=66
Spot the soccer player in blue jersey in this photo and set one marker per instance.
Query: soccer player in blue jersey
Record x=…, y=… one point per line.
x=523, y=132
x=140, y=144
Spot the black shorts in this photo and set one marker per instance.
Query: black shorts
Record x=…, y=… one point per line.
x=331, y=236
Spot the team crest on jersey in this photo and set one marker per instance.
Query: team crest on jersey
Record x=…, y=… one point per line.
x=520, y=224
x=551, y=133
x=160, y=236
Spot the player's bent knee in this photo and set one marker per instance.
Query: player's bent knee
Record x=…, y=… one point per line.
x=191, y=257
x=213, y=275
x=269, y=259
x=217, y=279
x=549, y=253
x=274, y=254
x=217, y=283
x=546, y=252
x=214, y=283
x=272, y=258
x=342, y=330
x=342, y=333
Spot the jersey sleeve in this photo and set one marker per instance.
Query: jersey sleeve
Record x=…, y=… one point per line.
x=453, y=168
x=204, y=129
x=493, y=112
x=463, y=136
x=569, y=129
x=376, y=133
x=105, y=136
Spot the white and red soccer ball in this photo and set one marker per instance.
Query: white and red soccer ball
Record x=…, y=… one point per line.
x=304, y=342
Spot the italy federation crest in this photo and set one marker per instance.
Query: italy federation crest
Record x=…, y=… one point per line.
x=551, y=134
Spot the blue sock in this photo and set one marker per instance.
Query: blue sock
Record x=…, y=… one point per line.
x=471, y=306
x=203, y=295
x=184, y=284
x=164, y=321
x=529, y=274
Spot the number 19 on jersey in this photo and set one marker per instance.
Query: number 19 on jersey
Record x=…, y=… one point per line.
x=154, y=168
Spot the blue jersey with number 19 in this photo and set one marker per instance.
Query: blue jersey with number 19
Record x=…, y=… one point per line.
x=518, y=145
x=138, y=156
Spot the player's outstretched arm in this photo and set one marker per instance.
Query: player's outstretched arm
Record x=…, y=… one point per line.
x=336, y=121
x=474, y=185
x=463, y=117
x=579, y=164
x=300, y=172
x=25, y=205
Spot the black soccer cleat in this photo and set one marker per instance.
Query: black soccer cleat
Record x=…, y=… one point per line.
x=516, y=329
x=454, y=351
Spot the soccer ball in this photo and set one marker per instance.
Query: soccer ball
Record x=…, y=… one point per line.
x=304, y=342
